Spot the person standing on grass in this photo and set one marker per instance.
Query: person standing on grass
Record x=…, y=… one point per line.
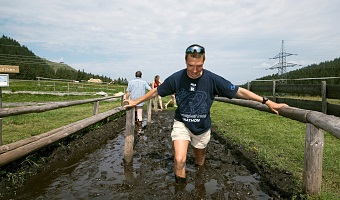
x=136, y=88
x=195, y=89
x=156, y=82
x=172, y=98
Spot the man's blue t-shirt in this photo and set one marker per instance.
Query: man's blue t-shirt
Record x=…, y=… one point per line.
x=195, y=96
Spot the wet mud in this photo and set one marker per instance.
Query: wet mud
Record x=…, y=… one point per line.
x=92, y=167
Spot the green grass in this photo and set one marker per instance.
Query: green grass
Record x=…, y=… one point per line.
x=19, y=127
x=59, y=86
x=42, y=98
x=278, y=142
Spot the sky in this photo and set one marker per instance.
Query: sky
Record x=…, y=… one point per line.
x=116, y=38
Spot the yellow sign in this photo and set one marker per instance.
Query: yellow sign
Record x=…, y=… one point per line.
x=9, y=69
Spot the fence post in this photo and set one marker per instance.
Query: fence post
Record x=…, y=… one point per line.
x=68, y=87
x=149, y=112
x=96, y=108
x=155, y=104
x=312, y=173
x=274, y=90
x=248, y=85
x=122, y=99
x=129, y=134
x=324, y=96
x=54, y=85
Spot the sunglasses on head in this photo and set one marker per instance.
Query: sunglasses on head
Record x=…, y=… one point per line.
x=194, y=48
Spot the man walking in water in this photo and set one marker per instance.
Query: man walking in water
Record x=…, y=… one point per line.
x=136, y=88
x=195, y=89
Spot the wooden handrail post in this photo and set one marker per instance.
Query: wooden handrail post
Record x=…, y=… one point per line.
x=312, y=173
x=122, y=99
x=248, y=85
x=324, y=96
x=96, y=108
x=155, y=104
x=274, y=90
x=129, y=134
x=149, y=112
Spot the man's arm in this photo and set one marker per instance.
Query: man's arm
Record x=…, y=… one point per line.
x=246, y=94
x=127, y=95
x=131, y=103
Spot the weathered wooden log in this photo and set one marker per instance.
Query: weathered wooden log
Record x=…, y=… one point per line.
x=129, y=134
x=96, y=108
x=328, y=123
x=29, y=148
x=312, y=173
x=149, y=112
x=5, y=112
x=17, y=144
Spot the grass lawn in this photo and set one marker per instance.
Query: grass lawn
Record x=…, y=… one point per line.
x=23, y=126
x=278, y=142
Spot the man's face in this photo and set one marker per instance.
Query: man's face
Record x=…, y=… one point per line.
x=194, y=67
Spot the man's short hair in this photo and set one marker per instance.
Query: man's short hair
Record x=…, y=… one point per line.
x=139, y=74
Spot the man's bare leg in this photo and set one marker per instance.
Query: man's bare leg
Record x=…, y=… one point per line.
x=180, y=151
x=199, y=156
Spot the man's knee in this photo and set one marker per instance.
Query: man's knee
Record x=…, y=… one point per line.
x=180, y=161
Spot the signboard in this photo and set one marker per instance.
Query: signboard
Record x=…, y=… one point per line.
x=4, y=80
x=9, y=69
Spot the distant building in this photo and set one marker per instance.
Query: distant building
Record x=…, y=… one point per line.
x=94, y=80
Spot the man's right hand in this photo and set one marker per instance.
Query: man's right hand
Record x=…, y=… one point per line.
x=128, y=103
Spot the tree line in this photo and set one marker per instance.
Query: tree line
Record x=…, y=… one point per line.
x=32, y=66
x=323, y=69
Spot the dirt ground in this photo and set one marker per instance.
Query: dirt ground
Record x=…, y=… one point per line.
x=90, y=166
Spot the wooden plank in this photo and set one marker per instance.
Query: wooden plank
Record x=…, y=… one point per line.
x=9, y=69
x=333, y=109
x=312, y=173
x=333, y=91
x=5, y=112
x=299, y=89
x=300, y=103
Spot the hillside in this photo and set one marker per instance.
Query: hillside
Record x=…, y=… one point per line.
x=32, y=66
x=55, y=66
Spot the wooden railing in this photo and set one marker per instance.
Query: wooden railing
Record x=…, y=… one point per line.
x=16, y=150
x=321, y=90
x=316, y=123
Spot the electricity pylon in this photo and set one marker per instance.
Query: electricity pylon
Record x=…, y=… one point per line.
x=282, y=64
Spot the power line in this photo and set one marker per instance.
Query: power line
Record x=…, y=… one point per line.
x=282, y=64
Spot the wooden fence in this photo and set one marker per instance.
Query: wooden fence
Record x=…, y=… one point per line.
x=316, y=123
x=16, y=150
x=64, y=85
x=321, y=90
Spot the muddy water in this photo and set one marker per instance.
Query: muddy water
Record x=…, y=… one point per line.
x=102, y=173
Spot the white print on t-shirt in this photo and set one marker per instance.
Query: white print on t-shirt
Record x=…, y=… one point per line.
x=192, y=87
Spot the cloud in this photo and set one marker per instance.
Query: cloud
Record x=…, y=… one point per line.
x=116, y=38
